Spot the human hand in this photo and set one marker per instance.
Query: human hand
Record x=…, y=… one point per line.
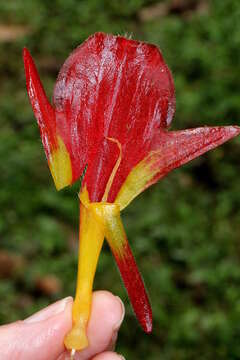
x=40, y=337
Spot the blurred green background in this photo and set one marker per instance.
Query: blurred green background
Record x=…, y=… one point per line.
x=185, y=231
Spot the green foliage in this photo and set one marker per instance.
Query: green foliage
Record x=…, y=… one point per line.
x=185, y=231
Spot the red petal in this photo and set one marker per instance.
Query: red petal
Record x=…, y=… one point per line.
x=169, y=151
x=43, y=110
x=57, y=155
x=179, y=147
x=111, y=87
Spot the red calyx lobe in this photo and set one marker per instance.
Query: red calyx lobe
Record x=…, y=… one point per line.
x=177, y=148
x=135, y=287
x=117, y=88
x=43, y=110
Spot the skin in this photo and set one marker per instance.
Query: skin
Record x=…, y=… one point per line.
x=40, y=337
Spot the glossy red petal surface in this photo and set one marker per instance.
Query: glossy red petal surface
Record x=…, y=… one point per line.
x=111, y=87
x=42, y=109
x=176, y=148
x=169, y=150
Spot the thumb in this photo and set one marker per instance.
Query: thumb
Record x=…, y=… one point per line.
x=40, y=337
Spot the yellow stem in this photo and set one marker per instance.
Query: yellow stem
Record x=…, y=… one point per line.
x=91, y=238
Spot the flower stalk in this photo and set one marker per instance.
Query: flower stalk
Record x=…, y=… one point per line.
x=99, y=220
x=90, y=244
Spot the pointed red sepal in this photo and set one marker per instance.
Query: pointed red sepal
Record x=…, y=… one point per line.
x=175, y=148
x=42, y=108
x=135, y=286
x=108, y=215
x=169, y=150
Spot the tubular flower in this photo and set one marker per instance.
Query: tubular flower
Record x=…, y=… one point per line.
x=112, y=105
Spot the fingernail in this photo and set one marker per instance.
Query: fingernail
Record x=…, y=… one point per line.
x=49, y=311
x=116, y=327
x=119, y=323
x=112, y=343
x=121, y=357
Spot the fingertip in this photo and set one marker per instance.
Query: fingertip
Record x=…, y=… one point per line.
x=51, y=310
x=106, y=317
x=108, y=355
x=39, y=337
x=110, y=307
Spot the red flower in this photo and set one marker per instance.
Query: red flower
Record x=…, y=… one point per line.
x=112, y=105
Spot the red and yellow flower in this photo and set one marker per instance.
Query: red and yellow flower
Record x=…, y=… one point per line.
x=113, y=103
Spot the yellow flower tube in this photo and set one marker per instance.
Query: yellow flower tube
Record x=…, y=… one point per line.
x=90, y=243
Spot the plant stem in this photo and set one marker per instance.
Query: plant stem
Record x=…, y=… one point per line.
x=90, y=243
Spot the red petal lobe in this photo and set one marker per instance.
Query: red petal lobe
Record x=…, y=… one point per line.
x=170, y=150
x=42, y=108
